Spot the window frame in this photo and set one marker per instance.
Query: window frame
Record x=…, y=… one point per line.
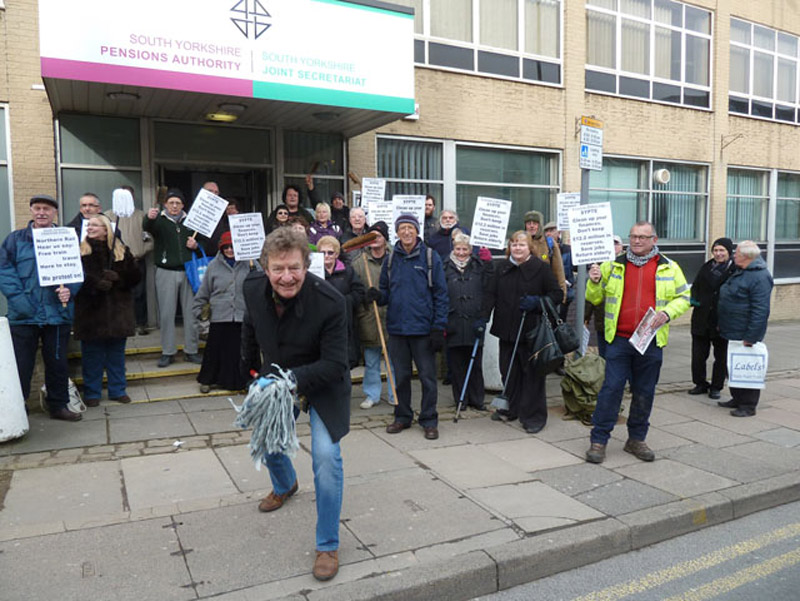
x=7, y=163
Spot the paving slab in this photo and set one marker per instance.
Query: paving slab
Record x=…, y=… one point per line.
x=76, y=492
x=783, y=437
x=576, y=479
x=465, y=545
x=778, y=457
x=624, y=496
x=139, y=410
x=534, y=506
x=476, y=430
x=662, y=416
x=470, y=466
x=147, y=427
x=208, y=422
x=615, y=456
x=363, y=452
x=411, y=509
x=675, y=478
x=174, y=477
x=789, y=404
x=741, y=425
x=723, y=463
x=558, y=428
x=242, y=471
x=238, y=546
x=706, y=434
x=781, y=417
x=209, y=403
x=530, y=454
x=46, y=434
x=124, y=562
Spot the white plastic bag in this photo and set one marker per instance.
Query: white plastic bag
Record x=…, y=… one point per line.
x=76, y=404
x=747, y=365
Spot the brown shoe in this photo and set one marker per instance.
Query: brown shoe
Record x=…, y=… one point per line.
x=326, y=565
x=639, y=449
x=124, y=399
x=596, y=453
x=274, y=501
x=66, y=415
x=397, y=427
x=431, y=433
x=91, y=402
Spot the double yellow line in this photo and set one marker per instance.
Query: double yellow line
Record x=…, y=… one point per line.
x=716, y=587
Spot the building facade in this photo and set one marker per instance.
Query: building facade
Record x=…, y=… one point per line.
x=700, y=105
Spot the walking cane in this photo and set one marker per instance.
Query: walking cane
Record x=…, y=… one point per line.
x=500, y=402
x=466, y=380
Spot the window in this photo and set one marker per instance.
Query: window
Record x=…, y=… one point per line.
x=763, y=73
x=677, y=209
x=746, y=213
x=528, y=178
x=322, y=153
x=517, y=39
x=98, y=154
x=6, y=209
x=786, y=262
x=650, y=49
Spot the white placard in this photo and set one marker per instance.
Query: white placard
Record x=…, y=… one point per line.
x=58, y=258
x=317, y=266
x=373, y=189
x=247, y=234
x=207, y=209
x=490, y=222
x=356, y=202
x=566, y=201
x=591, y=233
x=406, y=203
x=379, y=211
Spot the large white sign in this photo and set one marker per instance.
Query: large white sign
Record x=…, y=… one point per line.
x=591, y=233
x=373, y=189
x=317, y=266
x=490, y=222
x=207, y=209
x=247, y=234
x=380, y=211
x=566, y=201
x=275, y=49
x=58, y=257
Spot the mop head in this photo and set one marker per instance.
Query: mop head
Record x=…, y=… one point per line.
x=268, y=409
x=122, y=203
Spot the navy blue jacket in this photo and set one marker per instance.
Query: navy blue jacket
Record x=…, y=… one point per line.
x=415, y=309
x=743, y=307
x=29, y=303
x=442, y=240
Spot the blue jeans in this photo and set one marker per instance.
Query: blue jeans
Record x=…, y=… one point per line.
x=404, y=349
x=108, y=354
x=372, y=374
x=326, y=460
x=625, y=364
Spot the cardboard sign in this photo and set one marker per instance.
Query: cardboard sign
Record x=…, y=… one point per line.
x=566, y=201
x=406, y=203
x=490, y=222
x=591, y=233
x=373, y=189
x=247, y=234
x=207, y=209
x=58, y=258
x=317, y=266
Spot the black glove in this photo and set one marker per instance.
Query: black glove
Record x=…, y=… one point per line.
x=110, y=275
x=103, y=285
x=373, y=295
x=437, y=340
x=479, y=328
x=529, y=303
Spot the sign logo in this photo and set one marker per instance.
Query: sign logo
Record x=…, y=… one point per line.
x=251, y=18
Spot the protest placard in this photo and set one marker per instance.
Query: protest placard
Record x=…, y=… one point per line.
x=490, y=222
x=591, y=233
x=206, y=211
x=317, y=266
x=406, y=203
x=58, y=257
x=379, y=211
x=247, y=234
x=566, y=201
x=373, y=189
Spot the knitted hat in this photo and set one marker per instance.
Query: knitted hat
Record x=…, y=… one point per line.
x=726, y=242
x=45, y=199
x=175, y=193
x=381, y=228
x=225, y=240
x=533, y=216
x=550, y=225
x=406, y=218
x=338, y=195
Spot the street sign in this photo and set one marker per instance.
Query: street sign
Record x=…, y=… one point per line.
x=591, y=154
x=591, y=157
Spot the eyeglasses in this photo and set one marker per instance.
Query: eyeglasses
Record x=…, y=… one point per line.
x=635, y=237
x=284, y=213
x=328, y=252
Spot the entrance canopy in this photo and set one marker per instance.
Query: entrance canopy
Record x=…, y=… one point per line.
x=314, y=65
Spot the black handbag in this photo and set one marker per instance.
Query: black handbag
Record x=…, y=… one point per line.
x=545, y=352
x=566, y=336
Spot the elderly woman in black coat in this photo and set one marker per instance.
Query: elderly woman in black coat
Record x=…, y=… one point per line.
x=705, y=334
x=104, y=315
x=468, y=279
x=518, y=283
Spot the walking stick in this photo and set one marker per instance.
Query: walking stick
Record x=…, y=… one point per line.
x=389, y=374
x=466, y=380
x=500, y=402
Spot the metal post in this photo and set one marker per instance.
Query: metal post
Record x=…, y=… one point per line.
x=580, y=291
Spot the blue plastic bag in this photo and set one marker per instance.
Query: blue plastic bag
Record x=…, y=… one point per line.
x=196, y=269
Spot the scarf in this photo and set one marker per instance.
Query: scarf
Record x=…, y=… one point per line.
x=460, y=265
x=639, y=261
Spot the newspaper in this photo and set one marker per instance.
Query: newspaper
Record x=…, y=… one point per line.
x=645, y=331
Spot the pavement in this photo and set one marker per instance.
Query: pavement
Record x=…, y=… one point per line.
x=158, y=499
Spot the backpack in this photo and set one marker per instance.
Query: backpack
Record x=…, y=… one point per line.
x=430, y=266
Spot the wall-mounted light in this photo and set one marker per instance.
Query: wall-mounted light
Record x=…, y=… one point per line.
x=221, y=117
x=227, y=112
x=123, y=96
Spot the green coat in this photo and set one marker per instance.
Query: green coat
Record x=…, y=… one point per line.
x=365, y=314
x=169, y=241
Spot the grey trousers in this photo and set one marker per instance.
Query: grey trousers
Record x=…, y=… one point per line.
x=173, y=287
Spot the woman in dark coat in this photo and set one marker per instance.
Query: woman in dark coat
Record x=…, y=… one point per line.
x=279, y=217
x=705, y=295
x=104, y=315
x=346, y=281
x=518, y=283
x=468, y=279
